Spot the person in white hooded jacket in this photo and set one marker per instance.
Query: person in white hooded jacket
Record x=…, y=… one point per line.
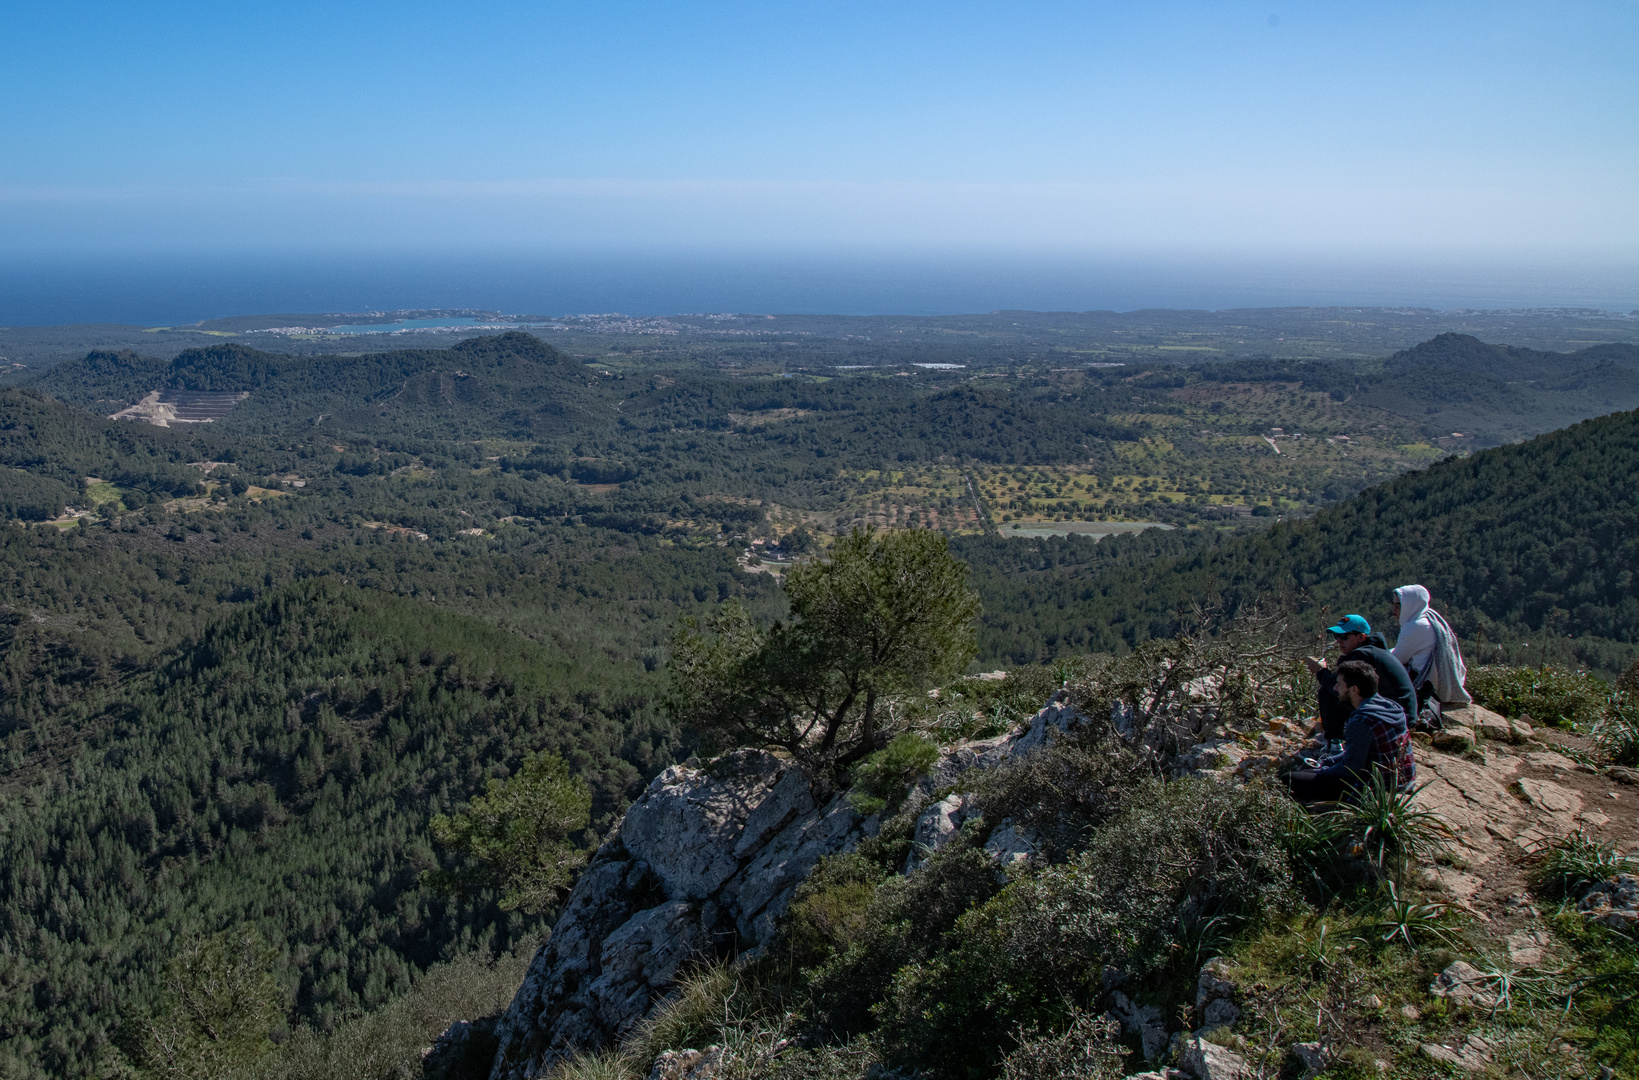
x=1428, y=648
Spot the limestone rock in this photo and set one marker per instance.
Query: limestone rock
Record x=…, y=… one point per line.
x=1547, y=759
x=1008, y=845
x=1485, y=723
x=1142, y=1022
x=1454, y=739
x=936, y=826
x=1462, y=982
x=1525, y=947
x=1471, y=1055
x=702, y=864
x=1215, y=990
x=689, y=823
x=1613, y=903
x=1313, y=1056
x=1548, y=796
x=1209, y=1061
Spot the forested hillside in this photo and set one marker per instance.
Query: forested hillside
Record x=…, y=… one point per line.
x=48, y=449
x=1512, y=542
x=279, y=774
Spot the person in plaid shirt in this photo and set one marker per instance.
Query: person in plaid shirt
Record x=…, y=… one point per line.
x=1376, y=738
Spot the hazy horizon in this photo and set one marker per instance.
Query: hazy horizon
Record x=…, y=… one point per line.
x=179, y=289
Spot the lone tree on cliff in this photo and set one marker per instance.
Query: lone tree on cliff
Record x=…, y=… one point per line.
x=888, y=614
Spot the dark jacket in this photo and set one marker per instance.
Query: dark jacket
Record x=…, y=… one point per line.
x=1392, y=683
x=1376, y=738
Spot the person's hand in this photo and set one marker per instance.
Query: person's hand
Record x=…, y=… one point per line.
x=1315, y=666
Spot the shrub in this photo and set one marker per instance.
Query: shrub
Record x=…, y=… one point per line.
x=828, y=912
x=1386, y=826
x=388, y=1044
x=219, y=1009
x=905, y=922
x=880, y=780
x=1548, y=695
x=975, y=708
x=1617, y=732
x=1180, y=857
x=1086, y=1050
x=1065, y=790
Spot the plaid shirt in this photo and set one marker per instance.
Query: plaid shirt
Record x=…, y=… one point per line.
x=1391, y=744
x=1376, y=737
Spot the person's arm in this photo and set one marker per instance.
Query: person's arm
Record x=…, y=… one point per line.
x=1357, y=749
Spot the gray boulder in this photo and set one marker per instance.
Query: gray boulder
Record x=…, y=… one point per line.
x=1215, y=990
x=1143, y=1022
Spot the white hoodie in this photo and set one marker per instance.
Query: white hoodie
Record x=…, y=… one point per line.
x=1417, y=637
x=1427, y=646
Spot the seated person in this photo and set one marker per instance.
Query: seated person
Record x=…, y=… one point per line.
x=1376, y=739
x=1356, y=641
x=1428, y=648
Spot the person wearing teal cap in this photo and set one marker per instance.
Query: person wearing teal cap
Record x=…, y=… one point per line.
x=1357, y=641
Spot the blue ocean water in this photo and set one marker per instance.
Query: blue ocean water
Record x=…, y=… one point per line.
x=169, y=290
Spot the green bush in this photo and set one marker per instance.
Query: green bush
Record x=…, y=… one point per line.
x=1571, y=863
x=829, y=911
x=905, y=922
x=880, y=780
x=220, y=1007
x=1086, y=1050
x=387, y=1044
x=1065, y=790
x=974, y=708
x=1182, y=856
x=1548, y=695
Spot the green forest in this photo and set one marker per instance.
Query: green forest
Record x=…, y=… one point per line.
x=244, y=663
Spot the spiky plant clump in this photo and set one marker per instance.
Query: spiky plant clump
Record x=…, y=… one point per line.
x=1386, y=825
x=1573, y=862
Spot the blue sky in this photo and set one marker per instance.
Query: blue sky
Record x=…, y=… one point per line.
x=1476, y=130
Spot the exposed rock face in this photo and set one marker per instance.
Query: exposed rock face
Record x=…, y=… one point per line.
x=1143, y=1022
x=703, y=863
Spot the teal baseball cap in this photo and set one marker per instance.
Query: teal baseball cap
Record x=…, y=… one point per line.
x=1351, y=624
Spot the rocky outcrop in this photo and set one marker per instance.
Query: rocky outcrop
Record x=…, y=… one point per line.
x=704, y=864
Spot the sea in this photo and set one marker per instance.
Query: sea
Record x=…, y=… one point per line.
x=169, y=289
